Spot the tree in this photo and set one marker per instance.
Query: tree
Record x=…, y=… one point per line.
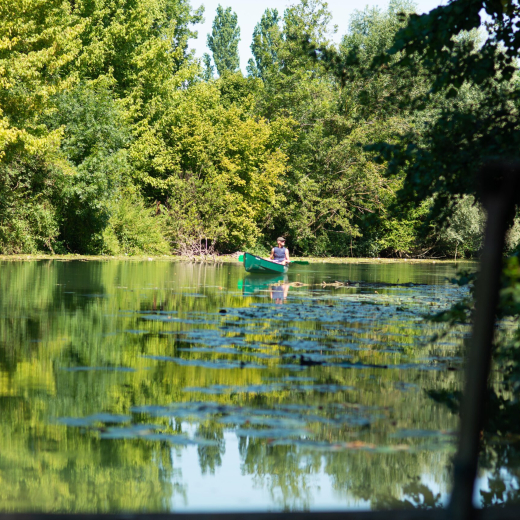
x=142, y=44
x=379, y=98
x=79, y=81
x=266, y=42
x=94, y=145
x=209, y=70
x=338, y=200
x=382, y=92
x=463, y=231
x=40, y=40
x=479, y=76
x=223, y=41
x=214, y=164
x=308, y=19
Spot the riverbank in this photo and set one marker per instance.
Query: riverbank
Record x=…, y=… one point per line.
x=220, y=259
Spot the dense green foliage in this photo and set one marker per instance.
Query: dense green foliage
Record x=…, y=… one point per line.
x=478, y=83
x=480, y=74
x=109, y=126
x=223, y=41
x=266, y=38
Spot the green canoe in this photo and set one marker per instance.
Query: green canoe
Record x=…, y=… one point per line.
x=257, y=264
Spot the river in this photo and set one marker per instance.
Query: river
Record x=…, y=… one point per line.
x=163, y=386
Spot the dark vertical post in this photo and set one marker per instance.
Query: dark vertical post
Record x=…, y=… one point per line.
x=499, y=185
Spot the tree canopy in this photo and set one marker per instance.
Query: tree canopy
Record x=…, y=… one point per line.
x=223, y=41
x=476, y=70
x=360, y=149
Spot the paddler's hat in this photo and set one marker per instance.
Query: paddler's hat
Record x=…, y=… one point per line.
x=280, y=239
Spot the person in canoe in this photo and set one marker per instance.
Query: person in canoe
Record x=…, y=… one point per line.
x=280, y=254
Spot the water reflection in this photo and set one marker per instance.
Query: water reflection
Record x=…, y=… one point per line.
x=146, y=386
x=277, y=287
x=279, y=292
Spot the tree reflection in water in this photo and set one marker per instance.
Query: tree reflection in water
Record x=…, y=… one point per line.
x=150, y=340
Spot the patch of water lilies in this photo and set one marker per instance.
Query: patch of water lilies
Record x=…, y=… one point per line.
x=104, y=425
x=299, y=425
x=316, y=330
x=96, y=369
x=289, y=415
x=267, y=388
x=341, y=324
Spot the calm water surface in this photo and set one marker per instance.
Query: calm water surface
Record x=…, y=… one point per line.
x=159, y=386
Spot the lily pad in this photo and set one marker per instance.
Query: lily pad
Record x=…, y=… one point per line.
x=216, y=364
x=100, y=418
x=95, y=369
x=271, y=433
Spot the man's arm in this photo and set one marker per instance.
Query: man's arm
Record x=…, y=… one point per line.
x=272, y=254
x=287, y=259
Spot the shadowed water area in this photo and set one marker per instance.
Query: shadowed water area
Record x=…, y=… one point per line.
x=159, y=386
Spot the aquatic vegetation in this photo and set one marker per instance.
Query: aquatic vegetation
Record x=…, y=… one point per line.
x=145, y=381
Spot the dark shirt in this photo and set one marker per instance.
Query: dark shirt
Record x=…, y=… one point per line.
x=279, y=254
